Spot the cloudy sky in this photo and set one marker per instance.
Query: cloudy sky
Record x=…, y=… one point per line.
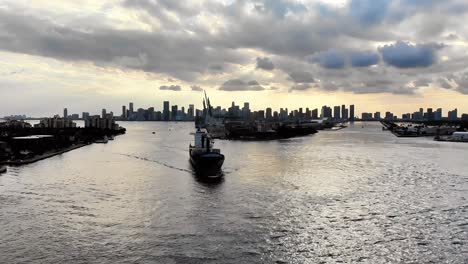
x=381, y=55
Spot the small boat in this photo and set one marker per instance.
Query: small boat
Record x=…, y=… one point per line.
x=104, y=140
x=111, y=137
x=204, y=158
x=154, y=132
x=3, y=169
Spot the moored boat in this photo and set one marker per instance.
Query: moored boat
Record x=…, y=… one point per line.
x=204, y=158
x=455, y=137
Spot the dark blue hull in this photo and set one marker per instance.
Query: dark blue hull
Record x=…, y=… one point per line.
x=207, y=163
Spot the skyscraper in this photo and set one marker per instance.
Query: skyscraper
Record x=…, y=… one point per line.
x=269, y=114
x=130, y=108
x=351, y=112
x=336, y=112
x=166, y=112
x=104, y=113
x=124, y=112
x=174, y=113
x=453, y=115
x=65, y=113
x=191, y=112
x=344, y=112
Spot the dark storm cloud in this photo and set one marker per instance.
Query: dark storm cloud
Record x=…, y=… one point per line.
x=369, y=12
x=265, y=64
x=364, y=59
x=423, y=82
x=462, y=82
x=301, y=77
x=405, y=55
x=182, y=56
x=240, y=85
x=331, y=59
x=444, y=83
x=170, y=88
x=177, y=40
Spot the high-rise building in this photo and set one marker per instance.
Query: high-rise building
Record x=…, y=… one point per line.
x=344, y=112
x=174, y=110
x=336, y=112
x=130, y=108
x=246, y=111
x=166, y=111
x=104, y=113
x=315, y=114
x=351, y=112
x=453, y=115
x=124, y=112
x=191, y=112
x=377, y=116
x=269, y=114
x=438, y=114
x=65, y=113
x=326, y=112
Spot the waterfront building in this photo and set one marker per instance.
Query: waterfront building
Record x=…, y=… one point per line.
x=15, y=124
x=438, y=114
x=453, y=115
x=389, y=116
x=315, y=114
x=166, y=111
x=65, y=113
x=97, y=121
x=191, y=112
x=174, y=112
x=55, y=122
x=344, y=112
x=366, y=116
x=269, y=114
x=336, y=112
x=326, y=112
x=351, y=112
x=124, y=112
x=85, y=115
x=377, y=116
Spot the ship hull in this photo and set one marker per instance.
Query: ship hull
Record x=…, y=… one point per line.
x=208, y=164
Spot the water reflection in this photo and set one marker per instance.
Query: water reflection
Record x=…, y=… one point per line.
x=354, y=195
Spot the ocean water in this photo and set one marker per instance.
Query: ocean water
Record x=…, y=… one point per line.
x=358, y=195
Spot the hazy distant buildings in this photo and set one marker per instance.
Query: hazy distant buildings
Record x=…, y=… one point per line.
x=65, y=113
x=97, y=121
x=377, y=116
x=55, y=122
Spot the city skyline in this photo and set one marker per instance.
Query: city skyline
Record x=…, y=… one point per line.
x=175, y=112
x=376, y=54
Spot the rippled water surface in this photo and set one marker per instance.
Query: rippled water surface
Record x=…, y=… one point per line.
x=354, y=195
